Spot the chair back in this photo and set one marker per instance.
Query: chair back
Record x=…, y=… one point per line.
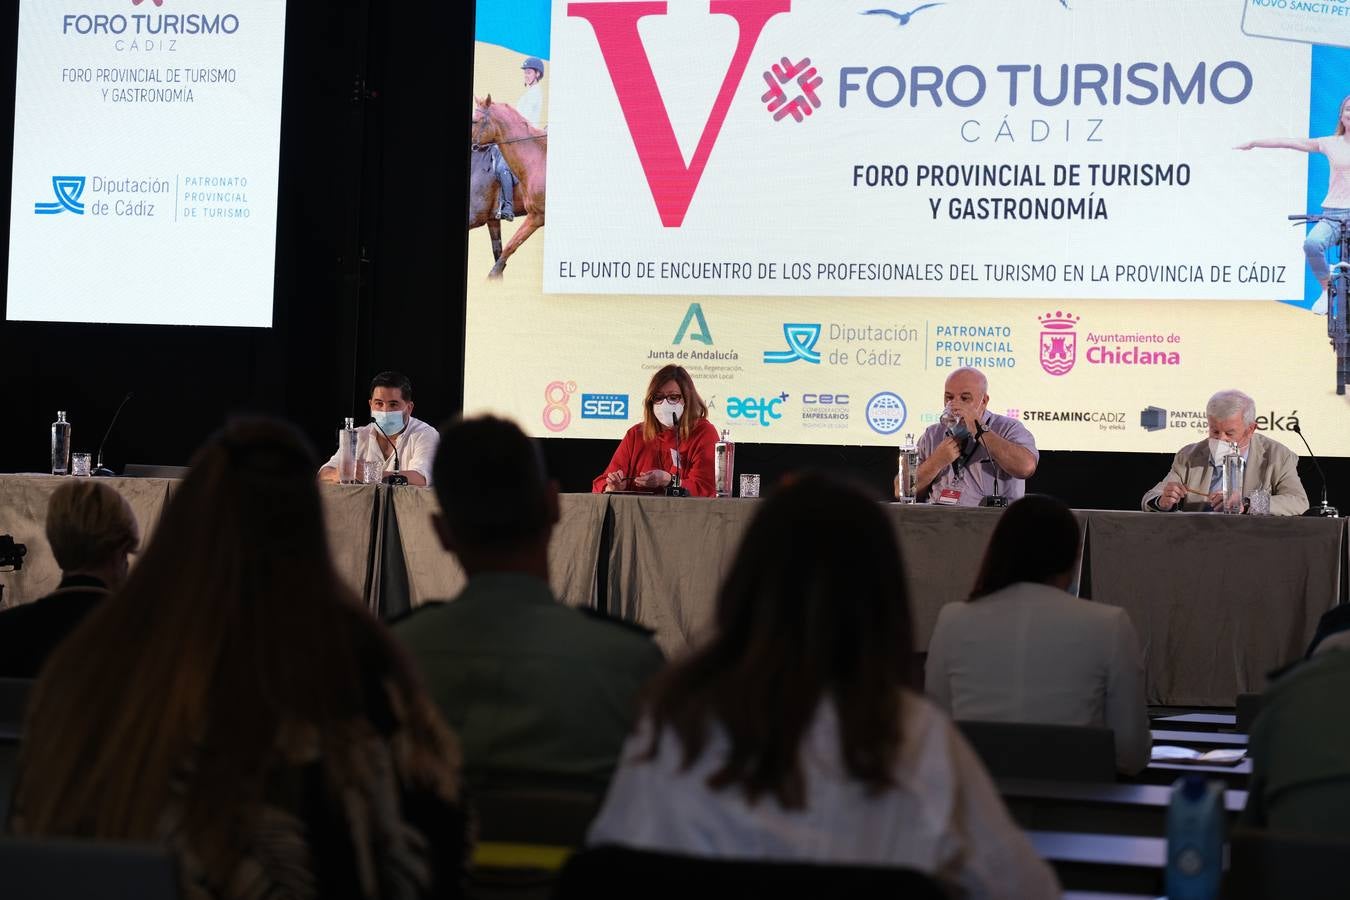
x=600, y=873
x=555, y=815
x=1248, y=708
x=1266, y=865
x=526, y=829
x=56, y=869
x=13, y=700
x=1051, y=752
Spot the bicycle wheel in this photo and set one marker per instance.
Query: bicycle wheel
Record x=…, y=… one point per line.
x=1340, y=334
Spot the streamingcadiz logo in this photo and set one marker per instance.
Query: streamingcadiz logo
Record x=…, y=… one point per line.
x=68, y=189
x=801, y=341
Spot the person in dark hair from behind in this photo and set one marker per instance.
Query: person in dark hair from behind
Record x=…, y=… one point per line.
x=533, y=687
x=236, y=703
x=1023, y=649
x=793, y=733
x=91, y=531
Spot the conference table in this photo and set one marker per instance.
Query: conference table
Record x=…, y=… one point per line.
x=1218, y=601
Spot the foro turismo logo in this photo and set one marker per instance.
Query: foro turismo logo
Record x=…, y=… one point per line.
x=68, y=190
x=557, y=415
x=1059, y=342
x=886, y=413
x=673, y=183
x=801, y=341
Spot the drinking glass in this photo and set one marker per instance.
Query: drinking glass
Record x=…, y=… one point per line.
x=749, y=485
x=79, y=463
x=1260, y=503
x=371, y=470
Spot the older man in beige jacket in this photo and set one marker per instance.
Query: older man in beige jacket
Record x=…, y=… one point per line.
x=1193, y=483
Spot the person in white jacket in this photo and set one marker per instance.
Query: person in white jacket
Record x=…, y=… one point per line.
x=1023, y=649
x=792, y=733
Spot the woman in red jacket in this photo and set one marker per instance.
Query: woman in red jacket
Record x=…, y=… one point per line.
x=645, y=459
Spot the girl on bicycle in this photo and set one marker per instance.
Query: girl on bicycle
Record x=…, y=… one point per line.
x=1325, y=234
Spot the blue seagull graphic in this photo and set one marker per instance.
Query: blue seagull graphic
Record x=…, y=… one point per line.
x=904, y=17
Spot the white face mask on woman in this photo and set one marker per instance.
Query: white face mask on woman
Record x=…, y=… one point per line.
x=665, y=409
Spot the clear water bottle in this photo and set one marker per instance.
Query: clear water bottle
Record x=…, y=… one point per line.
x=61, y=444
x=907, y=475
x=724, y=464
x=347, y=452
x=1195, y=839
x=1230, y=482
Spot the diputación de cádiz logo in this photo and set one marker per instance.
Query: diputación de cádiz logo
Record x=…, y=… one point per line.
x=68, y=190
x=801, y=340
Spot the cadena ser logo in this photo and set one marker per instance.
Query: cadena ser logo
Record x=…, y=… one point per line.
x=672, y=182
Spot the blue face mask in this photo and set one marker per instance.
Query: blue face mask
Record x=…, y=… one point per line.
x=388, y=422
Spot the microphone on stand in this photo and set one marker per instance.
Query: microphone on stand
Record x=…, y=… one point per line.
x=1326, y=509
x=396, y=476
x=99, y=468
x=675, y=488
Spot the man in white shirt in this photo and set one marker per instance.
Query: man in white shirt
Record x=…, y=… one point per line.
x=393, y=428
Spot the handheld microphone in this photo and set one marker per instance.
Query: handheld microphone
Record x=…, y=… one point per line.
x=396, y=476
x=1326, y=509
x=99, y=469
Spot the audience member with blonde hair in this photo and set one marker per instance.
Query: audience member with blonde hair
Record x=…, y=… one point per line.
x=236, y=703
x=91, y=531
x=793, y=732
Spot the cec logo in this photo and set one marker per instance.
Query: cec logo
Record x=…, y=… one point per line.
x=604, y=406
x=557, y=415
x=886, y=413
x=756, y=409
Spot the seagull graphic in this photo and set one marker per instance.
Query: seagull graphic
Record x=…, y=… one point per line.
x=904, y=17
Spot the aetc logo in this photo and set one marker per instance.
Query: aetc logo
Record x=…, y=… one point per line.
x=1059, y=342
x=68, y=190
x=763, y=410
x=673, y=183
x=886, y=413
x=801, y=341
x=604, y=406
x=557, y=415
x=694, y=317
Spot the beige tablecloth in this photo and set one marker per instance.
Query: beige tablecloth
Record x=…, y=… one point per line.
x=1218, y=601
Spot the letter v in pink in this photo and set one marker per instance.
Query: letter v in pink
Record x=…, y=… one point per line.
x=616, y=30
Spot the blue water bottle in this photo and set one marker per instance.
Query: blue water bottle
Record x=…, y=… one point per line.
x=1195, y=826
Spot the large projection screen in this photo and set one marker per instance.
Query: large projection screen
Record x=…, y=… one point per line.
x=146, y=141
x=821, y=210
